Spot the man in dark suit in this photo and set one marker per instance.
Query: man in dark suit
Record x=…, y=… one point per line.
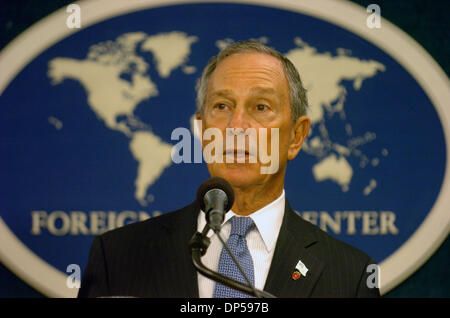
x=246, y=86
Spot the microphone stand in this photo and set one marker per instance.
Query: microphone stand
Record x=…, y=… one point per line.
x=198, y=245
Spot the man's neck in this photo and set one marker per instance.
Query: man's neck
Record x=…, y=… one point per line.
x=250, y=199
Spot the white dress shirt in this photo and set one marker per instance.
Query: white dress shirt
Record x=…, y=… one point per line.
x=261, y=241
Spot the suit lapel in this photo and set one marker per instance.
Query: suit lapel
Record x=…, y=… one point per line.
x=292, y=245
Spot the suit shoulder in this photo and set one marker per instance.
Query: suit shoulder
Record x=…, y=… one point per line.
x=334, y=246
x=345, y=268
x=155, y=226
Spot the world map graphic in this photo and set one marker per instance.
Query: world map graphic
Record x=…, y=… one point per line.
x=115, y=79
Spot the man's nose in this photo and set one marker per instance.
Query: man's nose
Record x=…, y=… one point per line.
x=240, y=119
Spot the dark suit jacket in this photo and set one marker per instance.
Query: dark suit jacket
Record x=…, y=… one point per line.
x=151, y=259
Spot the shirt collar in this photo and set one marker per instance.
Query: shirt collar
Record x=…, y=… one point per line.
x=267, y=220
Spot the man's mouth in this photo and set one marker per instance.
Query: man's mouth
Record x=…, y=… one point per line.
x=239, y=156
x=236, y=152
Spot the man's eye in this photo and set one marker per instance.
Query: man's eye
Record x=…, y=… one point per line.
x=261, y=107
x=220, y=106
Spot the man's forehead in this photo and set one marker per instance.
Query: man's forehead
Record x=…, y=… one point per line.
x=264, y=71
x=250, y=60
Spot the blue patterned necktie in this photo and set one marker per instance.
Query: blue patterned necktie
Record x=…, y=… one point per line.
x=240, y=226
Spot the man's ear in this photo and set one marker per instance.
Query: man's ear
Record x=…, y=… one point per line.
x=299, y=133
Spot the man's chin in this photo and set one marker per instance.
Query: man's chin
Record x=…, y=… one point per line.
x=238, y=175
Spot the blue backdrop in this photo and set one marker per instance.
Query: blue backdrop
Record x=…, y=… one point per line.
x=423, y=22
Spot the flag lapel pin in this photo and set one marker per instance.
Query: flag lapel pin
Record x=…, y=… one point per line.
x=300, y=269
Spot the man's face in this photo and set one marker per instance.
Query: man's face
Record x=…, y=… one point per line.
x=250, y=90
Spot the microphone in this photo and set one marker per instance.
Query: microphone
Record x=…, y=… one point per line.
x=215, y=197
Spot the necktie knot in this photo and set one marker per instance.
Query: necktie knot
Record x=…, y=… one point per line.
x=241, y=225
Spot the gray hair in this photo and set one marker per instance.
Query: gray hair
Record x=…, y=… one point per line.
x=299, y=100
